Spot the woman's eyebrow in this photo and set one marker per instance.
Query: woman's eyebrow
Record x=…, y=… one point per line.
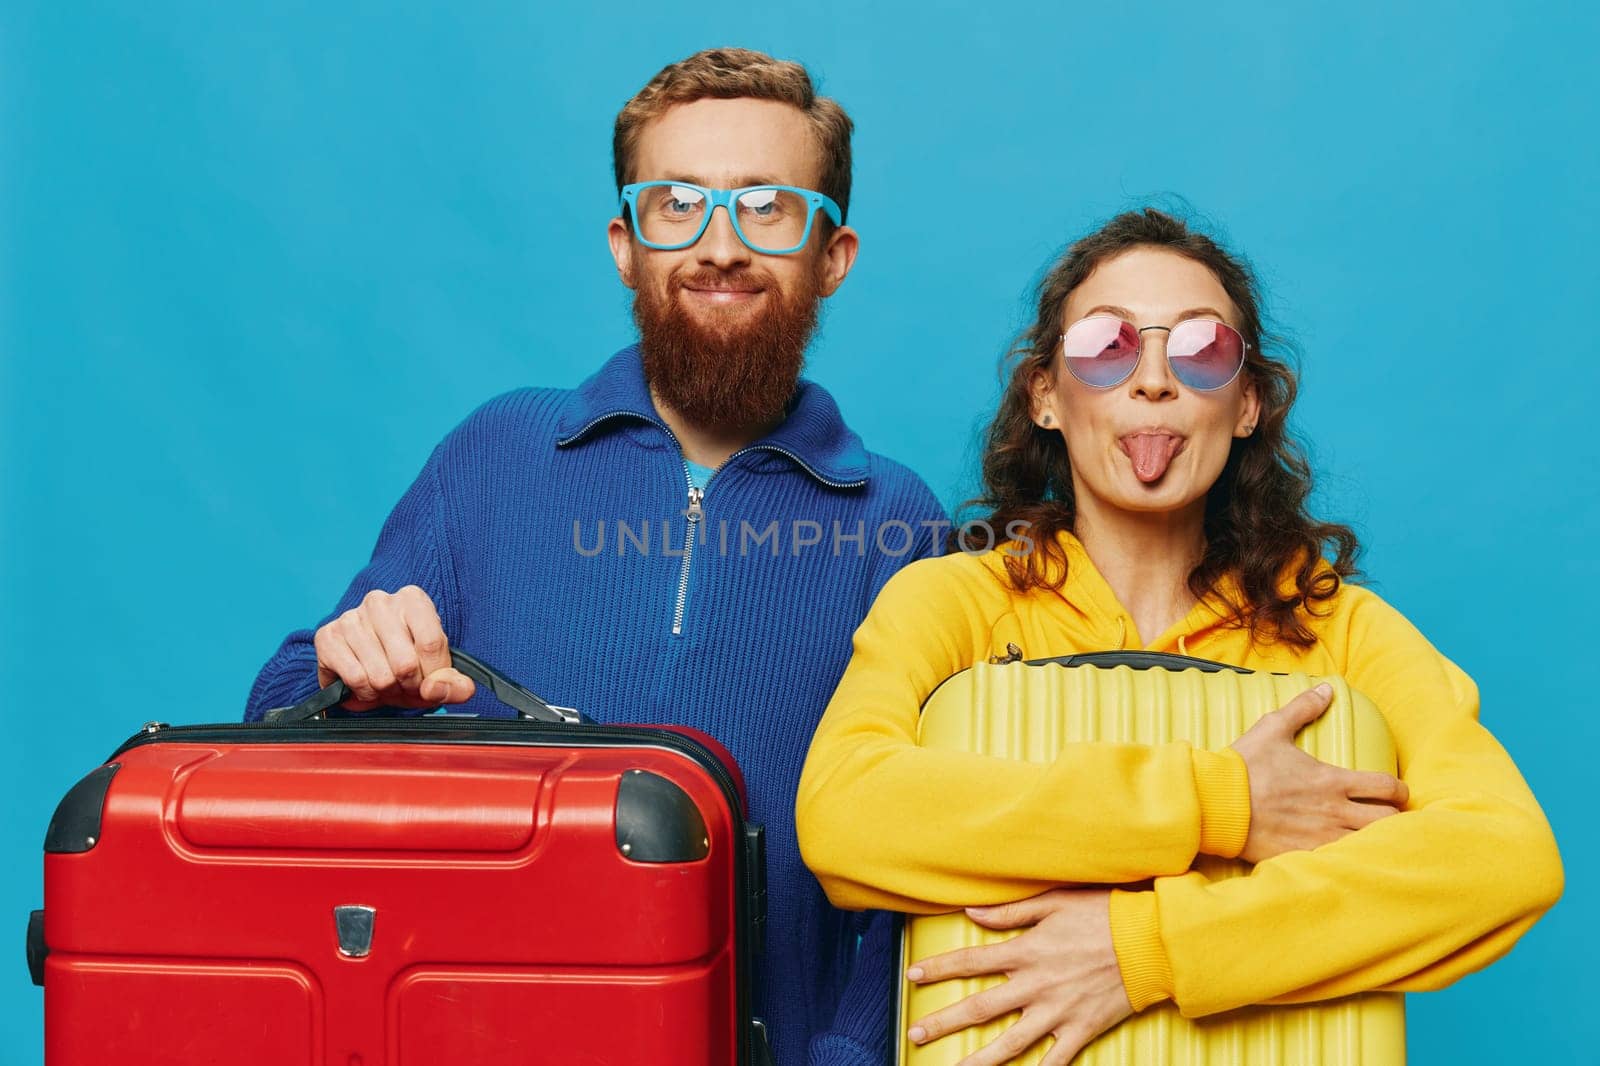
x=1124, y=313
x=1120, y=312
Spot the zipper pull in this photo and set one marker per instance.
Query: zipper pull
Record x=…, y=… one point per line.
x=1013, y=654
x=695, y=512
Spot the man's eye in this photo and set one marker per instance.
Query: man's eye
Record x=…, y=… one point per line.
x=761, y=203
x=681, y=200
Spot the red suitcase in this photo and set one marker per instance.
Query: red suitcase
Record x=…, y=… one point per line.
x=400, y=892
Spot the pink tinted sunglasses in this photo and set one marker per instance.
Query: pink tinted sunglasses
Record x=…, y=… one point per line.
x=1103, y=350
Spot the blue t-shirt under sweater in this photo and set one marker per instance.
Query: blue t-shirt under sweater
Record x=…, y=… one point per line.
x=551, y=529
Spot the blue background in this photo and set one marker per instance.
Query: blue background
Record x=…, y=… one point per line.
x=253, y=264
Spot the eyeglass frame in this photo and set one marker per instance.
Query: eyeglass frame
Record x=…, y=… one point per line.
x=1244, y=353
x=725, y=199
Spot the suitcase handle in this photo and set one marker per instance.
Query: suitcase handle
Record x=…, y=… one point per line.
x=1139, y=660
x=507, y=691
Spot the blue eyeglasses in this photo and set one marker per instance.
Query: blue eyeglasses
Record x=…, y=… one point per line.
x=770, y=219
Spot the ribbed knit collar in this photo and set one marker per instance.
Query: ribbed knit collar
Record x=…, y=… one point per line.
x=813, y=434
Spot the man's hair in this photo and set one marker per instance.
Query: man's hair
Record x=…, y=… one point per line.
x=730, y=74
x=1257, y=525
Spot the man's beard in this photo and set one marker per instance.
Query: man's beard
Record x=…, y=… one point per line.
x=736, y=374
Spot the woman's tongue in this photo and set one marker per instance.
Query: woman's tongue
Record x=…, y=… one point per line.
x=1151, y=453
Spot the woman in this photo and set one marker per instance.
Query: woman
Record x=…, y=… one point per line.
x=1142, y=447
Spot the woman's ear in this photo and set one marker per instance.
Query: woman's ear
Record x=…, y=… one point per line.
x=1249, y=410
x=1042, y=396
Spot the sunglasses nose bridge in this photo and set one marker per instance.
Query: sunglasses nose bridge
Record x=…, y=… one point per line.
x=1152, y=374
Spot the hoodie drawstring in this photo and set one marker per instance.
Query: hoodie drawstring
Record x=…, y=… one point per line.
x=1122, y=633
x=1183, y=649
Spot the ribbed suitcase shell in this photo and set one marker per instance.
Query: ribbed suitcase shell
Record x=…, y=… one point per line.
x=1028, y=711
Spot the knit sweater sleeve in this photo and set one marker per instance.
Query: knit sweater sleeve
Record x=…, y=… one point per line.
x=1409, y=903
x=412, y=549
x=948, y=829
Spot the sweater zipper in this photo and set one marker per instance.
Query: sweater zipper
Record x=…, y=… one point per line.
x=694, y=513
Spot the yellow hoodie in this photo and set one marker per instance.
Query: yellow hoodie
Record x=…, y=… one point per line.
x=1409, y=903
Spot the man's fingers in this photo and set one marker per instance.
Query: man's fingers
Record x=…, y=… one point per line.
x=447, y=685
x=427, y=632
x=388, y=623
x=963, y=962
x=336, y=660
x=373, y=675
x=1384, y=788
x=1306, y=707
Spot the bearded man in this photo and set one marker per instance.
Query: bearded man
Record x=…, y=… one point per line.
x=689, y=537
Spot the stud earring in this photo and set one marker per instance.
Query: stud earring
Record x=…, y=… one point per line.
x=1047, y=420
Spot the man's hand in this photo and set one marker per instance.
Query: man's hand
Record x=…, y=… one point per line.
x=1298, y=803
x=1062, y=974
x=392, y=652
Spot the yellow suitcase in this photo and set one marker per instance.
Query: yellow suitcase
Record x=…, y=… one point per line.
x=1028, y=710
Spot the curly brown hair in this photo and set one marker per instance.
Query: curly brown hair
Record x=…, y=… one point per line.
x=1257, y=526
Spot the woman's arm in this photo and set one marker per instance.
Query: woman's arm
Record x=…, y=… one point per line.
x=1411, y=902
x=885, y=823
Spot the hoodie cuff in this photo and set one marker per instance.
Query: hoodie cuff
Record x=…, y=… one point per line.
x=1223, y=784
x=1136, y=938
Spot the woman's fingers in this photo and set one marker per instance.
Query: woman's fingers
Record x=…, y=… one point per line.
x=1064, y=1050
x=976, y=1009
x=1304, y=708
x=963, y=962
x=1015, y=915
x=1011, y=1044
x=1360, y=815
x=1385, y=788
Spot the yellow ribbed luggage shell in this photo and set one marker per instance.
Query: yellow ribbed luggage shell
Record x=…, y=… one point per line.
x=1025, y=710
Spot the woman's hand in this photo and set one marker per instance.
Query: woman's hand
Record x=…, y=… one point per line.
x=1298, y=803
x=1062, y=974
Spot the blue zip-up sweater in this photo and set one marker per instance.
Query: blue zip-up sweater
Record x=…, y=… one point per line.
x=550, y=530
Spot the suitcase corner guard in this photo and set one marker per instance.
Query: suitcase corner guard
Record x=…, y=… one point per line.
x=75, y=827
x=657, y=821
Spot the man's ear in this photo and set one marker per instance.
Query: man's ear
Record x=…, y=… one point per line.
x=621, y=239
x=838, y=256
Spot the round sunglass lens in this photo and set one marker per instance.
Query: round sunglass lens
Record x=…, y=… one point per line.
x=1205, y=355
x=1101, y=351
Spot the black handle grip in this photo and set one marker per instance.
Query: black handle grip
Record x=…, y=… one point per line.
x=1140, y=660
x=505, y=690
x=36, y=947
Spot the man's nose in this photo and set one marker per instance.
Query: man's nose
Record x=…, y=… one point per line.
x=719, y=245
x=1152, y=378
